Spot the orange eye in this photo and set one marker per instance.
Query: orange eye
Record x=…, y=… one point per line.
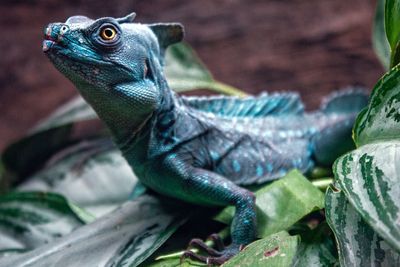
x=108, y=33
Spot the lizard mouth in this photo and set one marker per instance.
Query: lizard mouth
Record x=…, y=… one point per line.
x=47, y=45
x=51, y=38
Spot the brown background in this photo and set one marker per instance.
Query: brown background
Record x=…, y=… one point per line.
x=312, y=46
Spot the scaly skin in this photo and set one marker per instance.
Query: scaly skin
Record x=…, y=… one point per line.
x=199, y=150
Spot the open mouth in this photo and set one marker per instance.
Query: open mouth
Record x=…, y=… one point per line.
x=47, y=45
x=48, y=41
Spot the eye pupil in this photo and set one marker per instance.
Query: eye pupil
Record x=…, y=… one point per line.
x=108, y=33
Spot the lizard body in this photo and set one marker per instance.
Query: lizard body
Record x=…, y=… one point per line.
x=197, y=149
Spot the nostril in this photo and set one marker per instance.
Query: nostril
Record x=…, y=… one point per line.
x=55, y=32
x=64, y=29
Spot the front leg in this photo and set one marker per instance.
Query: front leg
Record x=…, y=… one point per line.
x=207, y=188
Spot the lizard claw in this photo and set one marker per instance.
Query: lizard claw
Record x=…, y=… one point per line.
x=214, y=256
x=218, y=242
x=200, y=244
x=210, y=261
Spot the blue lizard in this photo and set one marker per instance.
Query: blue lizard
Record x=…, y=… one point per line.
x=198, y=149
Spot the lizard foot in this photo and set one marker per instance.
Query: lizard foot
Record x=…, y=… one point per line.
x=214, y=256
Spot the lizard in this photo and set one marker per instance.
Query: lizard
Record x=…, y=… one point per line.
x=202, y=150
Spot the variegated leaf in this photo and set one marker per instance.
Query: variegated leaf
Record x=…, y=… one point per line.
x=317, y=248
x=29, y=220
x=100, y=185
x=125, y=237
x=359, y=244
x=380, y=121
x=370, y=179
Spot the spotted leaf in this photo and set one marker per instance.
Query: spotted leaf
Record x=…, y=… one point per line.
x=275, y=250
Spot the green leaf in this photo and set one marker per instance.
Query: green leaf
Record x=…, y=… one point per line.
x=392, y=21
x=358, y=244
x=125, y=237
x=29, y=220
x=392, y=26
x=380, y=121
x=369, y=177
x=99, y=184
x=379, y=39
x=185, y=71
x=282, y=203
x=275, y=250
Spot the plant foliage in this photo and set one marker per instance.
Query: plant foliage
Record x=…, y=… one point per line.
x=366, y=185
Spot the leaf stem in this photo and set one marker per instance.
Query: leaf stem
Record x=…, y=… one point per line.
x=226, y=89
x=322, y=183
x=319, y=172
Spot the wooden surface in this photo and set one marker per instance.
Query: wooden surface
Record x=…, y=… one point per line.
x=310, y=46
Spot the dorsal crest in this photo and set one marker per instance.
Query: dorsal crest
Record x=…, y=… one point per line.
x=167, y=33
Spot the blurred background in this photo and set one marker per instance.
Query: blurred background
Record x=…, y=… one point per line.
x=312, y=46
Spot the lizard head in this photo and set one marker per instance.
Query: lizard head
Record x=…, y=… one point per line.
x=116, y=64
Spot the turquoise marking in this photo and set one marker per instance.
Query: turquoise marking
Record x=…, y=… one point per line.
x=270, y=167
x=214, y=155
x=236, y=166
x=259, y=171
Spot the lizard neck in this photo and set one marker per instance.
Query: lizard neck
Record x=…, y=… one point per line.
x=157, y=135
x=123, y=118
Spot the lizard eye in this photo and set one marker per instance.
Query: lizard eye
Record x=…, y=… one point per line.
x=108, y=33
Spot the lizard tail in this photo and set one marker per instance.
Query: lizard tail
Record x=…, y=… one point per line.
x=347, y=100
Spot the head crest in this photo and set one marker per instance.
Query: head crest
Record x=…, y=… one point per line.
x=127, y=19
